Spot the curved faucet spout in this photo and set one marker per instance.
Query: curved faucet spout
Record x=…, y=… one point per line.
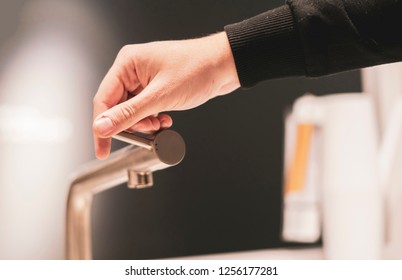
x=132, y=164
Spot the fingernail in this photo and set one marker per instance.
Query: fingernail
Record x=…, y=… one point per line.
x=104, y=125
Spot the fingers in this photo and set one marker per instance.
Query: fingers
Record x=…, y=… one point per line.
x=112, y=91
x=102, y=147
x=152, y=123
x=121, y=117
x=109, y=90
x=165, y=120
x=139, y=109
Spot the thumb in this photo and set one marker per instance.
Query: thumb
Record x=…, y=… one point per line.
x=125, y=115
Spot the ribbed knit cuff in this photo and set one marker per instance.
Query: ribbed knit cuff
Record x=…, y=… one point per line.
x=266, y=46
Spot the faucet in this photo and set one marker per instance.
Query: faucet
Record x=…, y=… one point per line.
x=133, y=164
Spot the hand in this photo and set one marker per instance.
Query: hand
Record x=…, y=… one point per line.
x=156, y=77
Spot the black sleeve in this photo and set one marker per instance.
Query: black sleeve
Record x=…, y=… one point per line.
x=315, y=38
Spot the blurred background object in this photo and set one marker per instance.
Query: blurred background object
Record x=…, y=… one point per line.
x=225, y=196
x=48, y=72
x=384, y=84
x=341, y=170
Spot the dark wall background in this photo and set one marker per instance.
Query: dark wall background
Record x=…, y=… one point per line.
x=226, y=194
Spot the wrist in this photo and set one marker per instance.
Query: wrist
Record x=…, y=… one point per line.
x=224, y=63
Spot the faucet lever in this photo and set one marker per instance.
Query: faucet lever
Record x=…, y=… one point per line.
x=134, y=139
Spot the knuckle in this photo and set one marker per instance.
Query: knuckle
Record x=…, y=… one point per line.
x=127, y=113
x=124, y=52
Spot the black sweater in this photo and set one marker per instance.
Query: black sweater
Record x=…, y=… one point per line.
x=315, y=38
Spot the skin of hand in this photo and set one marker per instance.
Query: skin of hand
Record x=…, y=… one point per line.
x=147, y=79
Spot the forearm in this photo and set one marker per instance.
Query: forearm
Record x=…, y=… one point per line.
x=315, y=38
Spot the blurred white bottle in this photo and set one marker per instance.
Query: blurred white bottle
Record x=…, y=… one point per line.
x=301, y=210
x=351, y=197
x=384, y=84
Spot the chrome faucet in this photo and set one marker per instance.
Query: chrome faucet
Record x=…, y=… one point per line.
x=133, y=164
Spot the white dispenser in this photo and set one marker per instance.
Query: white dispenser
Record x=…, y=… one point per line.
x=348, y=184
x=301, y=212
x=384, y=84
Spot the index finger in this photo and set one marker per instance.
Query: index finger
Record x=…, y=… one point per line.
x=112, y=90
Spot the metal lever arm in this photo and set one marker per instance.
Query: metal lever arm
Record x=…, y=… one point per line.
x=134, y=140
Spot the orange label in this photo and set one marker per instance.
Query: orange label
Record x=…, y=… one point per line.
x=295, y=179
